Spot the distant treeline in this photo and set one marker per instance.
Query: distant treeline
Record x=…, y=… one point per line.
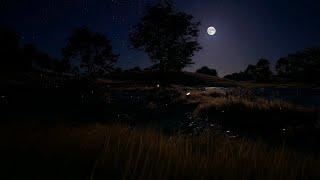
x=260, y=72
x=93, y=49
x=302, y=66
x=16, y=57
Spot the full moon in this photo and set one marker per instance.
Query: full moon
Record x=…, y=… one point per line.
x=211, y=31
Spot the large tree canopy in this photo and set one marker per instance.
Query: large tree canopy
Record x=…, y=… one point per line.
x=168, y=36
x=93, y=49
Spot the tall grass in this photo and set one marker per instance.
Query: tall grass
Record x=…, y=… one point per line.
x=243, y=109
x=118, y=152
x=216, y=97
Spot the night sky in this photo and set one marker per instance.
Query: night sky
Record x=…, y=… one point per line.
x=246, y=29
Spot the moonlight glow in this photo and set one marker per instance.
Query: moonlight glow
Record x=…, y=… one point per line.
x=211, y=31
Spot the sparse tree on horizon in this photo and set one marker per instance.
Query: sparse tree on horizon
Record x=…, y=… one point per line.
x=93, y=49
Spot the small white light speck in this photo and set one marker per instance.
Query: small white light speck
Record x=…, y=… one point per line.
x=188, y=93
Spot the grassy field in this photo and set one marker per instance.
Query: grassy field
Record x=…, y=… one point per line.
x=65, y=151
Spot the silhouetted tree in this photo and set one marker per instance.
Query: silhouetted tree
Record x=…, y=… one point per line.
x=30, y=54
x=10, y=52
x=93, y=49
x=283, y=67
x=44, y=61
x=135, y=69
x=241, y=76
x=260, y=72
x=301, y=66
x=117, y=70
x=208, y=71
x=40, y=59
x=62, y=66
x=250, y=72
x=75, y=70
x=15, y=58
x=168, y=36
